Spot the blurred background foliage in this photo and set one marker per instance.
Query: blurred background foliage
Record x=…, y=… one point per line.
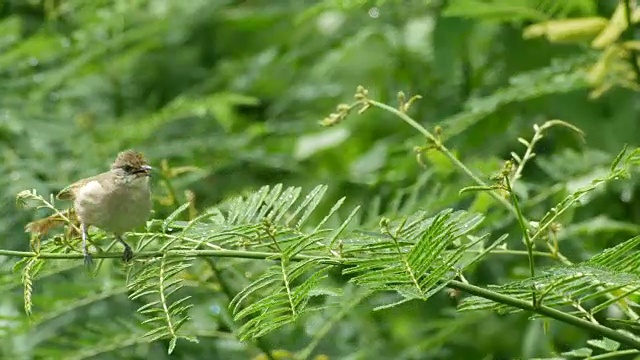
x=226, y=96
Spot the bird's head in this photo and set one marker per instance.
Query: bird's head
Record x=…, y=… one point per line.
x=131, y=164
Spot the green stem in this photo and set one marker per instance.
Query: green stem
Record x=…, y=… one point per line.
x=547, y=311
x=525, y=232
x=515, y=252
x=447, y=153
x=173, y=253
x=163, y=301
x=613, y=354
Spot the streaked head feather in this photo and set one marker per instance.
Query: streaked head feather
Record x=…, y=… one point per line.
x=130, y=158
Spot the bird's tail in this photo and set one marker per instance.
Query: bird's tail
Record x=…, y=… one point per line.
x=42, y=226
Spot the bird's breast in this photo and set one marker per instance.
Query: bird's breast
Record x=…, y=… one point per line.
x=116, y=209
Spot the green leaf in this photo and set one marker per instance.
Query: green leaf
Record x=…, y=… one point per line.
x=415, y=260
x=604, y=344
x=173, y=216
x=582, y=352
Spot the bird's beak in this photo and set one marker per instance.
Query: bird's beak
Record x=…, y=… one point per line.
x=146, y=169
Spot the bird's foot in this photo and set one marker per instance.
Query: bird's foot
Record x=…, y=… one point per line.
x=127, y=255
x=88, y=260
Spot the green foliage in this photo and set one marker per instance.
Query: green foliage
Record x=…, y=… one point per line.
x=614, y=271
x=562, y=76
x=504, y=10
x=412, y=258
x=247, y=255
x=160, y=282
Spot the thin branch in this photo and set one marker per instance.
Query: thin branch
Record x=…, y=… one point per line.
x=447, y=153
x=514, y=252
x=527, y=237
x=547, y=311
x=175, y=253
x=164, y=301
x=613, y=354
x=404, y=257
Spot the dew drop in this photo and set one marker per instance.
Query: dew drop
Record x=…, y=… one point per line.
x=215, y=309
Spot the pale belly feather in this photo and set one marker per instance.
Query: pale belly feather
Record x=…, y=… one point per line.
x=117, y=209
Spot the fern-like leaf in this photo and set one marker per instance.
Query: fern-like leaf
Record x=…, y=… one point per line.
x=607, y=278
x=615, y=271
x=159, y=280
x=271, y=218
x=288, y=288
x=415, y=259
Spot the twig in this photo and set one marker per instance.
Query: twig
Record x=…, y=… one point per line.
x=443, y=149
x=173, y=253
x=527, y=237
x=547, y=311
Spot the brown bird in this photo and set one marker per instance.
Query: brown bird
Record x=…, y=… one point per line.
x=116, y=201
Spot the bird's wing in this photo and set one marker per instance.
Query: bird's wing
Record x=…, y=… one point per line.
x=69, y=193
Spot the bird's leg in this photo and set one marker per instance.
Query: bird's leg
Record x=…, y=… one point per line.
x=127, y=255
x=88, y=261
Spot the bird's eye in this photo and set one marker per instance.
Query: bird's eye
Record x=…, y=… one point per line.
x=127, y=168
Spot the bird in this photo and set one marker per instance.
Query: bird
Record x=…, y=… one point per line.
x=116, y=201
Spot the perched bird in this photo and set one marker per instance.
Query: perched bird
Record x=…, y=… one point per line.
x=116, y=201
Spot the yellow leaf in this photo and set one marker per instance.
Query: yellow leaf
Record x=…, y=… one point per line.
x=569, y=30
x=616, y=26
x=598, y=72
x=632, y=45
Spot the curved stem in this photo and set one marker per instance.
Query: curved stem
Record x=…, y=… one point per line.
x=527, y=238
x=547, y=311
x=447, y=153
